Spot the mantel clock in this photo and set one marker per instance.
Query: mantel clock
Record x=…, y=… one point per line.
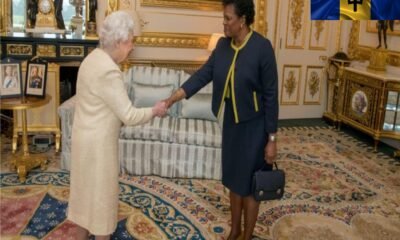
x=46, y=15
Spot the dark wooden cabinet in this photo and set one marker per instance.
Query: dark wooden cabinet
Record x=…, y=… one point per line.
x=51, y=47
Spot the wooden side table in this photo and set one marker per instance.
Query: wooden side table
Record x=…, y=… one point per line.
x=23, y=162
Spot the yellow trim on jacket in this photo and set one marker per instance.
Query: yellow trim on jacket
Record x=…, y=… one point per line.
x=230, y=78
x=255, y=101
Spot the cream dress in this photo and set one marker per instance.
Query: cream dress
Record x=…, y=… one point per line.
x=102, y=106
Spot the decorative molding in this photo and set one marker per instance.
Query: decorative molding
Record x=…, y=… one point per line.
x=5, y=16
x=19, y=49
x=319, y=31
x=205, y=5
x=276, y=22
x=177, y=40
x=72, y=51
x=297, y=9
x=291, y=82
x=313, y=85
x=296, y=24
x=188, y=66
x=338, y=36
x=46, y=50
x=358, y=52
x=260, y=23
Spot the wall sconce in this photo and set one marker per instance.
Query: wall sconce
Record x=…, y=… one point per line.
x=213, y=41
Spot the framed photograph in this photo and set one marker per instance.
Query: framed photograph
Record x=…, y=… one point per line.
x=35, y=81
x=290, y=85
x=11, y=81
x=313, y=83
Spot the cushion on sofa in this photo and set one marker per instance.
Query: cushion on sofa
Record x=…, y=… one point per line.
x=152, y=76
x=197, y=132
x=158, y=129
x=197, y=107
x=146, y=95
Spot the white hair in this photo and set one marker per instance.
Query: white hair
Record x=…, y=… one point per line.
x=117, y=27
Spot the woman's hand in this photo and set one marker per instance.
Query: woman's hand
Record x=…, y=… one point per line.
x=175, y=97
x=270, y=152
x=160, y=109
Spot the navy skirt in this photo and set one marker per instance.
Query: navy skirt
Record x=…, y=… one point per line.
x=242, y=151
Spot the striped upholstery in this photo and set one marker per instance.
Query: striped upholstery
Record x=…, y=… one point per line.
x=152, y=76
x=158, y=129
x=66, y=111
x=168, y=147
x=169, y=160
x=197, y=132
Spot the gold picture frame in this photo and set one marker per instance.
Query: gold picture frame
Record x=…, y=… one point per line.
x=291, y=82
x=361, y=52
x=313, y=85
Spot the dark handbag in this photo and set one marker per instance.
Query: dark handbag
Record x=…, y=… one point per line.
x=268, y=185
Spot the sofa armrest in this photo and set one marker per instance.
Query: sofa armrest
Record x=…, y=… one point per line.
x=66, y=112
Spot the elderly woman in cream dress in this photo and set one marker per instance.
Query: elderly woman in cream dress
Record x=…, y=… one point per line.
x=102, y=106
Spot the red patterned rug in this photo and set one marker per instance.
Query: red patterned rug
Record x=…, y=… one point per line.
x=337, y=188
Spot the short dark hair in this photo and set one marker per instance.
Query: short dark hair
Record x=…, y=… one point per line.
x=242, y=7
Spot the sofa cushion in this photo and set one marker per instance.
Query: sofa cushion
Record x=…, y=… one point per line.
x=146, y=95
x=197, y=132
x=154, y=76
x=197, y=107
x=158, y=129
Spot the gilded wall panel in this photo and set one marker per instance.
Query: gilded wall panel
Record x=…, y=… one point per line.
x=291, y=80
x=296, y=27
x=319, y=35
x=313, y=85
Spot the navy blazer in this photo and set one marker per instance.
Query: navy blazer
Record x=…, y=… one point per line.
x=255, y=83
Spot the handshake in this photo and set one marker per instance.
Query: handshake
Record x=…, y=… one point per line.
x=160, y=108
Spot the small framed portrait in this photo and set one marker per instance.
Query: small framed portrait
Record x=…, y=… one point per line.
x=359, y=103
x=11, y=81
x=35, y=81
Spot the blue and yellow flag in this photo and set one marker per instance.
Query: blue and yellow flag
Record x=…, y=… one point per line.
x=355, y=9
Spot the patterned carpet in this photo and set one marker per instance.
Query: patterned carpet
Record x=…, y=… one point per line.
x=337, y=188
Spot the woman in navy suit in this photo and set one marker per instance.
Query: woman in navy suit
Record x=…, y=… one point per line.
x=243, y=71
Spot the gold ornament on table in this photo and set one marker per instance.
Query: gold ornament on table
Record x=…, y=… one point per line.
x=42, y=16
x=377, y=61
x=46, y=15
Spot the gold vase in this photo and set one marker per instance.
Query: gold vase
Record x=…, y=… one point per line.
x=377, y=60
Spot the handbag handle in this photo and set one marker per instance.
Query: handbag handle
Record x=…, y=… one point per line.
x=274, y=164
